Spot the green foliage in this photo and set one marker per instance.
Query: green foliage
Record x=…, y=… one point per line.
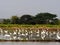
x=26, y=19
x=45, y=18
x=14, y=20
x=40, y=18
x=6, y=21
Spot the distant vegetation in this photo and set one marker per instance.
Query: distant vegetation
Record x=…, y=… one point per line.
x=40, y=18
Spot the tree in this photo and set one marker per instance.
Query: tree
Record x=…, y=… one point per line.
x=55, y=21
x=26, y=19
x=14, y=20
x=45, y=18
x=6, y=21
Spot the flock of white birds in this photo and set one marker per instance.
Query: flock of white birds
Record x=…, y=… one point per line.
x=17, y=35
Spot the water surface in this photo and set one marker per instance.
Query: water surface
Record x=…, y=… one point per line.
x=29, y=43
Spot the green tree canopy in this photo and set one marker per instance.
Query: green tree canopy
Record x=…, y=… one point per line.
x=26, y=19
x=14, y=20
x=6, y=21
x=45, y=17
x=40, y=18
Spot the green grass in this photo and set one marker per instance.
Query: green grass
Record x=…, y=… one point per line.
x=25, y=25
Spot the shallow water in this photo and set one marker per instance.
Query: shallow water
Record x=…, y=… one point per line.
x=29, y=43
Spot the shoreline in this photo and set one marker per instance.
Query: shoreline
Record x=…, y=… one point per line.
x=29, y=40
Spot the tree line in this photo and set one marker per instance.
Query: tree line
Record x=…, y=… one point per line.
x=40, y=18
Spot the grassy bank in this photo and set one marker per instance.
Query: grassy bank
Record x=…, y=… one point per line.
x=26, y=26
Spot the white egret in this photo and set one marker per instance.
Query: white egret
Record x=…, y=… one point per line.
x=58, y=35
